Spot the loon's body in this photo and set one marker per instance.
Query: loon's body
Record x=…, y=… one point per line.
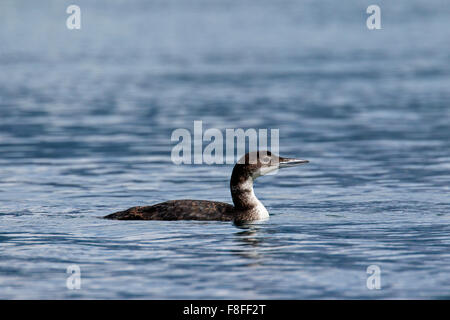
x=246, y=206
x=179, y=210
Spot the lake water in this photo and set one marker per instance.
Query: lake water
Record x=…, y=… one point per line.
x=86, y=118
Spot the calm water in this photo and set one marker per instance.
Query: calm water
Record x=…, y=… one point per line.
x=85, y=124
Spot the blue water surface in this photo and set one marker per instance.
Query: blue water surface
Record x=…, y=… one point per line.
x=86, y=118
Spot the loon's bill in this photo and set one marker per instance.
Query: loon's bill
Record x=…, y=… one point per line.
x=291, y=162
x=246, y=206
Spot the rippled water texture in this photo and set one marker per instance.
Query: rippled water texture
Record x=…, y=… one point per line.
x=86, y=118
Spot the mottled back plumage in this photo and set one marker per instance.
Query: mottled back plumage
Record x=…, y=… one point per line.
x=178, y=210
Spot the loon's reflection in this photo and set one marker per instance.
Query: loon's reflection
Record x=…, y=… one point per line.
x=249, y=243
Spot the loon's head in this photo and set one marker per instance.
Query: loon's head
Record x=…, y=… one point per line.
x=246, y=170
x=259, y=163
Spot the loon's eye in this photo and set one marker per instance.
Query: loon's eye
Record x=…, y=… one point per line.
x=266, y=160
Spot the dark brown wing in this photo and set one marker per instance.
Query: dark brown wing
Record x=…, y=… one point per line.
x=178, y=210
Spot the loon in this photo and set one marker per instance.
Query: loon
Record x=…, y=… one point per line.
x=246, y=206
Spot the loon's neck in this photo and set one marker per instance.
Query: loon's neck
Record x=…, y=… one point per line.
x=247, y=206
